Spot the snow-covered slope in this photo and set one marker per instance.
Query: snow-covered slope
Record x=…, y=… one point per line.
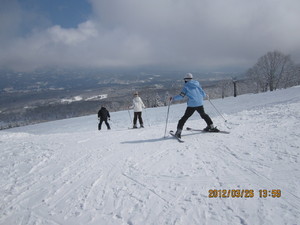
x=67, y=172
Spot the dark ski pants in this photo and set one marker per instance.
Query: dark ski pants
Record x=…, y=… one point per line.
x=137, y=115
x=100, y=124
x=189, y=112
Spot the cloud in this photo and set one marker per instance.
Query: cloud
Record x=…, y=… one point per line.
x=171, y=34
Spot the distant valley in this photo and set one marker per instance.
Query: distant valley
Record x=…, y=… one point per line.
x=28, y=98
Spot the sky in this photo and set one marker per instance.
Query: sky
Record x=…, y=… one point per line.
x=192, y=35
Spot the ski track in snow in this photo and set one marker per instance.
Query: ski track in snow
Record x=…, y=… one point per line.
x=67, y=172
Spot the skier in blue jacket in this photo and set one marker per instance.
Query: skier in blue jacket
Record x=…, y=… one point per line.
x=195, y=94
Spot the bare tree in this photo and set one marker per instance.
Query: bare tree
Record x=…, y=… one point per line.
x=272, y=71
x=297, y=74
x=157, y=101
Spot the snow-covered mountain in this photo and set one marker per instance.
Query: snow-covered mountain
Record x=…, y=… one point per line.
x=68, y=172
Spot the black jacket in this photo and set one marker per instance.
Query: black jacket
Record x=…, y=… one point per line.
x=103, y=113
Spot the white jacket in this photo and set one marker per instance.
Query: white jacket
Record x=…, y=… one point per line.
x=138, y=104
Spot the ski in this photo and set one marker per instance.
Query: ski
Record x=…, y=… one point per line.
x=178, y=139
x=221, y=131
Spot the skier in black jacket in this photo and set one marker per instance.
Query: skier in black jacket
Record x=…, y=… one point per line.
x=103, y=115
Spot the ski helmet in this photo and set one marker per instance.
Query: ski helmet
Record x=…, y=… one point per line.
x=188, y=76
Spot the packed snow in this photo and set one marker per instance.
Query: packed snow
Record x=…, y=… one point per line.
x=68, y=172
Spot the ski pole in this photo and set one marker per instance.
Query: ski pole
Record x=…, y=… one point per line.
x=217, y=110
x=167, y=117
x=129, y=115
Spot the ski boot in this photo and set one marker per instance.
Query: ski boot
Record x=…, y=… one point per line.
x=211, y=128
x=178, y=133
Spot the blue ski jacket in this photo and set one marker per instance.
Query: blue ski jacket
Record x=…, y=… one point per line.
x=193, y=90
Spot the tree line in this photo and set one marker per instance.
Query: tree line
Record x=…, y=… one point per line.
x=274, y=70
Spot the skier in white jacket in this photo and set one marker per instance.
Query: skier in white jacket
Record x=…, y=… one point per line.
x=137, y=106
